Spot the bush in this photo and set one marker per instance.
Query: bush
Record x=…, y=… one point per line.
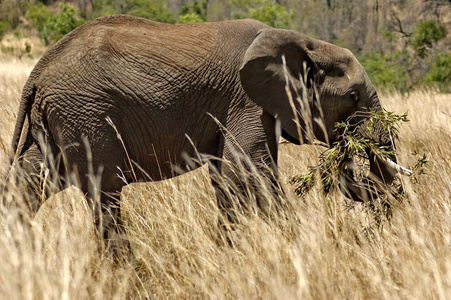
x=10, y=13
x=194, y=12
x=152, y=10
x=155, y=10
x=425, y=34
x=273, y=14
x=266, y=11
x=386, y=71
x=190, y=17
x=4, y=28
x=40, y=15
x=61, y=24
x=440, y=73
x=53, y=27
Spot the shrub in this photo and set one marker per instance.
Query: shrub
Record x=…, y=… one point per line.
x=190, y=17
x=266, y=11
x=386, y=71
x=4, y=27
x=155, y=10
x=40, y=15
x=425, y=34
x=10, y=13
x=152, y=10
x=440, y=73
x=53, y=27
x=193, y=12
x=61, y=24
x=272, y=14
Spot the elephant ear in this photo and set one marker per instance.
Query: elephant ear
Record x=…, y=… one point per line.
x=264, y=76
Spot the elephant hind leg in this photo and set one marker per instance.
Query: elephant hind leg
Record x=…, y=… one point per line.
x=103, y=185
x=107, y=215
x=32, y=174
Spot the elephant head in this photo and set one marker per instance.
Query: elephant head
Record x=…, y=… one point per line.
x=309, y=85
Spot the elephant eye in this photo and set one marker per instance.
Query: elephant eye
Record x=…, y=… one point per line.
x=354, y=96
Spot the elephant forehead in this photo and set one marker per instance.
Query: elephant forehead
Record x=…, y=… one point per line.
x=336, y=61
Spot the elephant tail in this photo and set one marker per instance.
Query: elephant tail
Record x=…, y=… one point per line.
x=23, y=139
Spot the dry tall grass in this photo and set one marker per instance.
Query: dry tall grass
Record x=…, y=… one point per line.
x=324, y=250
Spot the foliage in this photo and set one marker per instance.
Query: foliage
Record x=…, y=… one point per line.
x=272, y=14
x=51, y=26
x=152, y=10
x=386, y=71
x=335, y=163
x=401, y=69
x=398, y=51
x=10, y=13
x=440, y=73
x=425, y=34
x=64, y=22
x=266, y=11
x=4, y=28
x=190, y=17
x=386, y=121
x=193, y=12
x=155, y=10
x=39, y=15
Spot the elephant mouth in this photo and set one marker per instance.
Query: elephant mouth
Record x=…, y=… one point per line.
x=370, y=138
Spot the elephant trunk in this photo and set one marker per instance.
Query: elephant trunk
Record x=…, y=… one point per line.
x=379, y=168
x=382, y=174
x=383, y=168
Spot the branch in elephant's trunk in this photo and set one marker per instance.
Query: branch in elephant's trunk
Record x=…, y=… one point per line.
x=368, y=141
x=376, y=134
x=338, y=169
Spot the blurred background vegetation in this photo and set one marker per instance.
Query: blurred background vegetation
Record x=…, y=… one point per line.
x=401, y=43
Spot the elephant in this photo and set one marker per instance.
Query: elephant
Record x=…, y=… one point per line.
x=135, y=100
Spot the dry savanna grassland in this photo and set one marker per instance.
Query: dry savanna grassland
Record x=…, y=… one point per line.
x=325, y=247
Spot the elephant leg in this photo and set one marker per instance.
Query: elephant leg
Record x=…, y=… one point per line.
x=98, y=169
x=224, y=195
x=246, y=174
x=31, y=163
x=109, y=223
x=109, y=220
x=104, y=199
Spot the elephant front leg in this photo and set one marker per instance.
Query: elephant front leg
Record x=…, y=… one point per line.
x=242, y=193
x=245, y=177
x=225, y=197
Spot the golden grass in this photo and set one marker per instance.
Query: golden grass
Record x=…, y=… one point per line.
x=324, y=250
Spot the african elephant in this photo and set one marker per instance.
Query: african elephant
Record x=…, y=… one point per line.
x=122, y=91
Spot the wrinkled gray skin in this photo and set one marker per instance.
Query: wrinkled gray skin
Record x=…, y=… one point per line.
x=162, y=83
